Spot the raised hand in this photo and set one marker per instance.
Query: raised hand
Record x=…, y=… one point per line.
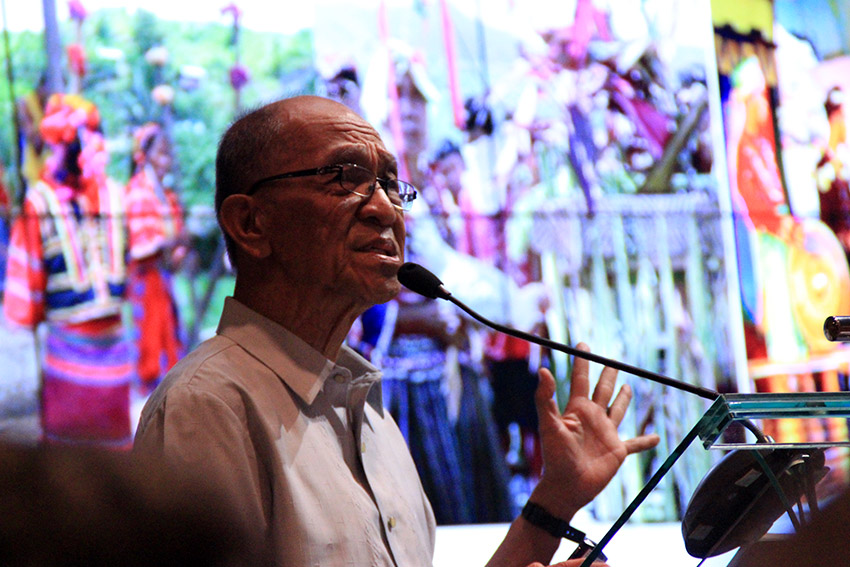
x=581, y=447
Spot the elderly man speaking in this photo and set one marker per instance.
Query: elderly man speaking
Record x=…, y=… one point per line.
x=286, y=418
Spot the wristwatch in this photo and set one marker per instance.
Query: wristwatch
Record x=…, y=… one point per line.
x=538, y=516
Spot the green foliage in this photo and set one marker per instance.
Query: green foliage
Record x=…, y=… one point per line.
x=120, y=80
x=27, y=49
x=145, y=31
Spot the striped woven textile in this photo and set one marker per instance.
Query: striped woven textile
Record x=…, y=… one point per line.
x=87, y=371
x=412, y=391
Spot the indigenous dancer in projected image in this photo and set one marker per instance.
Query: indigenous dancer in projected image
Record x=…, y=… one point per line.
x=473, y=234
x=765, y=232
x=757, y=190
x=423, y=378
x=67, y=269
x=157, y=248
x=486, y=185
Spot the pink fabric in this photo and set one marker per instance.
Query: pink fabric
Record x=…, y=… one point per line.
x=451, y=62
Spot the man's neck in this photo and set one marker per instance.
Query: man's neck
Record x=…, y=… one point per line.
x=323, y=326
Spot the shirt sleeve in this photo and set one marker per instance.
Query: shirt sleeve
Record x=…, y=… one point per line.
x=198, y=431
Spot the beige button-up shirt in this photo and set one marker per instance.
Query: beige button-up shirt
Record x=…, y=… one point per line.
x=318, y=468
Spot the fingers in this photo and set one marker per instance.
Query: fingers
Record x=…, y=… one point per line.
x=641, y=443
x=605, y=386
x=579, y=381
x=545, y=386
x=604, y=390
x=620, y=404
x=547, y=408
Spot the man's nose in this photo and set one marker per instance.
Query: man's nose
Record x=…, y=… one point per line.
x=379, y=205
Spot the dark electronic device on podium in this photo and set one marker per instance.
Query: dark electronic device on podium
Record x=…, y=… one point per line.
x=750, y=499
x=735, y=504
x=738, y=501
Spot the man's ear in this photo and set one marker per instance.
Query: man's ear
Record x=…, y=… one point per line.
x=242, y=219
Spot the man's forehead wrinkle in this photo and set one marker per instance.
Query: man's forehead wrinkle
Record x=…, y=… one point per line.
x=346, y=136
x=357, y=143
x=362, y=154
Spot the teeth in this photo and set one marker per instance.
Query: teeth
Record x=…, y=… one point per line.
x=374, y=250
x=386, y=251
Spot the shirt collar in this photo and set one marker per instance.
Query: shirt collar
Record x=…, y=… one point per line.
x=297, y=364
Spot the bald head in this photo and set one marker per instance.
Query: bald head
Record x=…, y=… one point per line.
x=274, y=130
x=295, y=231
x=268, y=140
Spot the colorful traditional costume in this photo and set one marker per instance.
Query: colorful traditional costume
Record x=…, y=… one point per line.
x=32, y=156
x=155, y=220
x=67, y=268
x=4, y=227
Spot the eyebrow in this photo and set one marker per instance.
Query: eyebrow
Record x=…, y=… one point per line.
x=357, y=156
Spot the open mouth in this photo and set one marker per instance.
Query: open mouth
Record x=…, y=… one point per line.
x=382, y=248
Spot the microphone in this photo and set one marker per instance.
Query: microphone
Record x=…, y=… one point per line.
x=729, y=522
x=420, y=280
x=416, y=278
x=837, y=328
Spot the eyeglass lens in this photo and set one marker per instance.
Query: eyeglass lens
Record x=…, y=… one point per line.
x=362, y=181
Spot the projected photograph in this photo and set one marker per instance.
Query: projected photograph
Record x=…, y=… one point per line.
x=782, y=89
x=565, y=160
x=569, y=160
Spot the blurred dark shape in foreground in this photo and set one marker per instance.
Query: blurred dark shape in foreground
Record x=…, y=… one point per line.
x=63, y=506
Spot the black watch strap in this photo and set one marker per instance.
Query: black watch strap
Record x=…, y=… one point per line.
x=537, y=515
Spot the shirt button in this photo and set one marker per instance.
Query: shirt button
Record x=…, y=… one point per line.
x=339, y=378
x=363, y=447
x=391, y=522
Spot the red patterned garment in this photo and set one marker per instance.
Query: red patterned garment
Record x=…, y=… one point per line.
x=66, y=268
x=155, y=219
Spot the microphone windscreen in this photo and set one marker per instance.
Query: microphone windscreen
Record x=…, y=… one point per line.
x=416, y=278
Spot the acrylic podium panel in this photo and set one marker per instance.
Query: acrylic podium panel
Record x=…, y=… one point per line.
x=731, y=408
x=741, y=408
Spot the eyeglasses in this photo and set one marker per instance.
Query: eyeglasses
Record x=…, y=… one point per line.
x=354, y=179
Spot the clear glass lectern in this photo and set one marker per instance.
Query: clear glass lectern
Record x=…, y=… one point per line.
x=742, y=408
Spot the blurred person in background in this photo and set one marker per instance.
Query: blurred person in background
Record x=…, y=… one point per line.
x=67, y=269
x=63, y=506
x=158, y=246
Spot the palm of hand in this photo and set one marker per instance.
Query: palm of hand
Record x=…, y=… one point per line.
x=582, y=450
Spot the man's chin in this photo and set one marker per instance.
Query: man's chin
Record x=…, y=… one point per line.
x=386, y=292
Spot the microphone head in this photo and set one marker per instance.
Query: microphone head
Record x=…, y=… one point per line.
x=416, y=278
x=837, y=328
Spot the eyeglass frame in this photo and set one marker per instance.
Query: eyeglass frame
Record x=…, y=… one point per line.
x=326, y=169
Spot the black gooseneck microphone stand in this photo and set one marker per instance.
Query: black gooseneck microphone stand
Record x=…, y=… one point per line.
x=420, y=280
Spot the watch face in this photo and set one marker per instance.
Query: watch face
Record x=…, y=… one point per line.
x=584, y=548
